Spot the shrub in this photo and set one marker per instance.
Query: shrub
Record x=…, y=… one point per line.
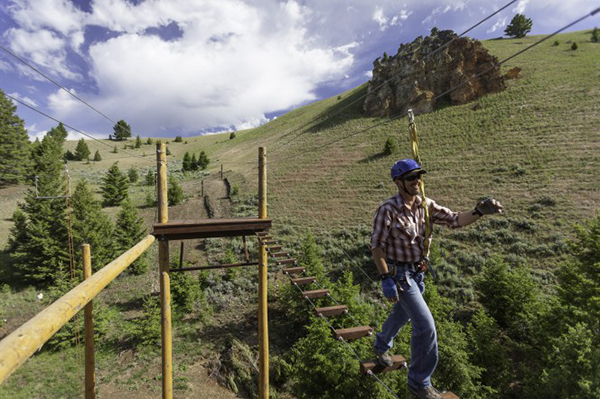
x=574, y=46
x=133, y=175
x=185, y=291
x=149, y=141
x=595, y=35
x=232, y=136
x=178, y=139
x=556, y=43
x=390, y=146
x=97, y=156
x=145, y=330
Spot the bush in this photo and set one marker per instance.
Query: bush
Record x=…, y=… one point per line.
x=146, y=329
x=97, y=156
x=133, y=175
x=390, y=146
x=185, y=291
x=232, y=136
x=178, y=139
x=556, y=43
x=595, y=35
x=574, y=46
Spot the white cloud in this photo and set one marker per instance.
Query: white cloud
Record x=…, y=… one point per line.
x=25, y=99
x=62, y=104
x=385, y=22
x=5, y=66
x=500, y=23
x=520, y=7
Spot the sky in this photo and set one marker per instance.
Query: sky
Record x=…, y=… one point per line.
x=189, y=67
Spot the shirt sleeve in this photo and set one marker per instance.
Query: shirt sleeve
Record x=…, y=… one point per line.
x=442, y=215
x=381, y=228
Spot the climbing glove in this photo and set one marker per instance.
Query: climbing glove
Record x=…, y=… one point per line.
x=388, y=285
x=487, y=207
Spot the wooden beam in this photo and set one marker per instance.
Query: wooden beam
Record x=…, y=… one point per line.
x=315, y=293
x=331, y=310
x=206, y=228
x=303, y=280
x=352, y=333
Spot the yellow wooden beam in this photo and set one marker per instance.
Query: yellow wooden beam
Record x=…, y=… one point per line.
x=27, y=339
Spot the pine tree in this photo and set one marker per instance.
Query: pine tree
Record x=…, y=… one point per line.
x=59, y=133
x=122, y=130
x=150, y=178
x=115, y=150
x=82, y=151
x=133, y=175
x=91, y=226
x=390, y=146
x=114, y=186
x=138, y=142
x=129, y=230
x=595, y=35
x=149, y=141
x=39, y=239
x=97, y=156
x=194, y=162
x=175, y=192
x=186, y=163
x=519, y=26
x=15, y=161
x=203, y=160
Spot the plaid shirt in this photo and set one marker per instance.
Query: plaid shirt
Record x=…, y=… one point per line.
x=400, y=231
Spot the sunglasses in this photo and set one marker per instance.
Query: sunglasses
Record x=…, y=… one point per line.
x=413, y=177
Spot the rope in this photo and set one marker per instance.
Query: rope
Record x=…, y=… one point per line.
x=412, y=132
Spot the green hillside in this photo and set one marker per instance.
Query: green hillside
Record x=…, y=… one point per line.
x=535, y=147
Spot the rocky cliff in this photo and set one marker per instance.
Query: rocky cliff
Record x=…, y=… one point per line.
x=418, y=73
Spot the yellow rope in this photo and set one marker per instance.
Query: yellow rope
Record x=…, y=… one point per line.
x=414, y=141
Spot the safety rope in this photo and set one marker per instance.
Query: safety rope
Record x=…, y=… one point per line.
x=414, y=146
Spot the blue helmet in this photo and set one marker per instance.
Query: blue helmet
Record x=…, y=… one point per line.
x=404, y=166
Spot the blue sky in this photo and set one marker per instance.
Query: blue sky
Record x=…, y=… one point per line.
x=183, y=67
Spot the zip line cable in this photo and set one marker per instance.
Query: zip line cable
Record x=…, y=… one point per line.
x=69, y=126
x=60, y=86
x=453, y=88
x=394, y=76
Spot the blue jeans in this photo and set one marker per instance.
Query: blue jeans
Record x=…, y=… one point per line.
x=423, y=343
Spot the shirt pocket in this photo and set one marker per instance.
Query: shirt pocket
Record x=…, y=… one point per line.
x=402, y=227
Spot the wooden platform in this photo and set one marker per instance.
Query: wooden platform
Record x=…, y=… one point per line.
x=205, y=228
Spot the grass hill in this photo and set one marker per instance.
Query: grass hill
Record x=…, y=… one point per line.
x=535, y=147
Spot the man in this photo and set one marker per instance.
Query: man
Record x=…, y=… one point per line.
x=397, y=245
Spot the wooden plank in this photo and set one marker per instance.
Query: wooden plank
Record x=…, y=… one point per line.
x=375, y=367
x=286, y=261
x=303, y=280
x=280, y=254
x=294, y=270
x=205, y=228
x=269, y=242
x=315, y=293
x=449, y=395
x=352, y=333
x=331, y=310
x=274, y=248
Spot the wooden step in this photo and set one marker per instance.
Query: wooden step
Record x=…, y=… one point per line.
x=375, y=367
x=352, y=333
x=274, y=248
x=315, y=293
x=285, y=261
x=269, y=242
x=449, y=395
x=303, y=280
x=294, y=270
x=280, y=254
x=262, y=233
x=331, y=310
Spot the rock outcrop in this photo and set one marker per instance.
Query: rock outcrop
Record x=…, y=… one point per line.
x=418, y=74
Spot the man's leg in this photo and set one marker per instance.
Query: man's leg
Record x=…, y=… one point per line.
x=424, y=348
x=395, y=321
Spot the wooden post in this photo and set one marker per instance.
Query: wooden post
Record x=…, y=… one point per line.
x=90, y=364
x=263, y=322
x=221, y=171
x=165, y=286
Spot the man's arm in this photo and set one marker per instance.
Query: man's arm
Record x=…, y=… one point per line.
x=485, y=207
x=379, y=258
x=466, y=218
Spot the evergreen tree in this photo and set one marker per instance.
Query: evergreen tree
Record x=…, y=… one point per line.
x=129, y=230
x=178, y=139
x=519, y=26
x=91, y=226
x=97, y=156
x=82, y=151
x=138, y=142
x=595, y=35
x=194, y=163
x=121, y=130
x=186, y=163
x=149, y=141
x=114, y=186
x=15, y=161
x=39, y=239
x=390, y=146
x=175, y=192
x=150, y=178
x=203, y=160
x=133, y=175
x=59, y=133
